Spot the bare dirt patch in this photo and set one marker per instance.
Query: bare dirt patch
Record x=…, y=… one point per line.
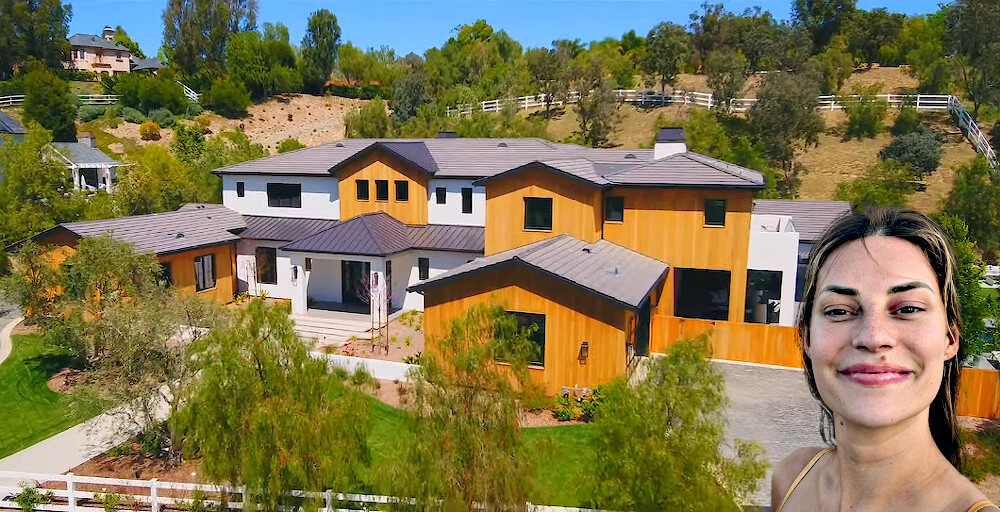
x=636, y=126
x=536, y=419
x=139, y=466
x=23, y=328
x=404, y=342
x=130, y=131
x=894, y=80
x=65, y=381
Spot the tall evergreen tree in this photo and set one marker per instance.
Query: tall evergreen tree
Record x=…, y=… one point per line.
x=195, y=32
x=33, y=29
x=667, y=45
x=822, y=18
x=319, y=49
x=49, y=103
x=973, y=38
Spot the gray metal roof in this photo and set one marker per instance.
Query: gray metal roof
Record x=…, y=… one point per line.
x=604, y=268
x=9, y=126
x=138, y=64
x=283, y=229
x=810, y=218
x=82, y=154
x=670, y=134
x=380, y=234
x=96, y=41
x=688, y=170
x=190, y=227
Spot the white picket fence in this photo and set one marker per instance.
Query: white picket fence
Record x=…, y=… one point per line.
x=189, y=92
x=85, y=99
x=156, y=496
x=8, y=101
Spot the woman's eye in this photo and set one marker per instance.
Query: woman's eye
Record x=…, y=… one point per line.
x=908, y=310
x=837, y=312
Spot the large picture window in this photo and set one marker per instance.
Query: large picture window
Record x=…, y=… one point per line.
x=267, y=265
x=538, y=213
x=362, y=189
x=204, y=272
x=402, y=191
x=701, y=293
x=466, y=200
x=381, y=190
x=526, y=320
x=284, y=195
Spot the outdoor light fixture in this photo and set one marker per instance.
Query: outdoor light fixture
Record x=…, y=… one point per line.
x=584, y=352
x=295, y=272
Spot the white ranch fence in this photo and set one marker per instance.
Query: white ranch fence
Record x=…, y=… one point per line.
x=85, y=99
x=647, y=98
x=74, y=493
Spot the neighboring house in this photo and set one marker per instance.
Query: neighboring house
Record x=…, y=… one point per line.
x=11, y=128
x=90, y=167
x=196, y=245
x=150, y=65
x=99, y=54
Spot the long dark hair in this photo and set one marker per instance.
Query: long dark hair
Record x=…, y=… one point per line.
x=931, y=239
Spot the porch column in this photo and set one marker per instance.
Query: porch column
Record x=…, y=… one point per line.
x=300, y=284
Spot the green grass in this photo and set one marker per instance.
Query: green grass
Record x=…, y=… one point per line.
x=31, y=411
x=986, y=458
x=78, y=87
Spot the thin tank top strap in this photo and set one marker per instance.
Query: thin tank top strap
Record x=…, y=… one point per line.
x=802, y=475
x=979, y=505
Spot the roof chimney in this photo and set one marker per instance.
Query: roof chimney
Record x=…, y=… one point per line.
x=87, y=138
x=669, y=141
x=447, y=135
x=109, y=34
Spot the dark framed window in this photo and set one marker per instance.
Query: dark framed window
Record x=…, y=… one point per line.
x=441, y=195
x=763, y=302
x=701, y=293
x=715, y=212
x=240, y=189
x=614, y=208
x=537, y=213
x=362, y=189
x=267, y=265
x=423, y=268
x=381, y=190
x=526, y=321
x=204, y=272
x=466, y=200
x=402, y=191
x=284, y=195
x=167, y=273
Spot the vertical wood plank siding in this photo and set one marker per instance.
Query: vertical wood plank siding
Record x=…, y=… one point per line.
x=382, y=166
x=571, y=317
x=576, y=209
x=736, y=341
x=182, y=267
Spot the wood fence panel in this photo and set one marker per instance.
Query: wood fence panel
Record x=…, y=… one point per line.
x=736, y=341
x=979, y=393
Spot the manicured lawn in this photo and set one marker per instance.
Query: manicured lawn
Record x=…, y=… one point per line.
x=31, y=411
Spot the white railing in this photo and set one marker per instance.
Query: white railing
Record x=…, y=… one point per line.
x=8, y=101
x=971, y=130
x=155, y=496
x=85, y=99
x=189, y=92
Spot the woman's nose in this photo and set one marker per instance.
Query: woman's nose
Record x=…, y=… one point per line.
x=875, y=333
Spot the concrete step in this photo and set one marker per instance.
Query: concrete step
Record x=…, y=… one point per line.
x=335, y=323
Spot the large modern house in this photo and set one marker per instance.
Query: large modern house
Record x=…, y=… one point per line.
x=613, y=253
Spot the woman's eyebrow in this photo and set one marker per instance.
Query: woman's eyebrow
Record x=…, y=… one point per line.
x=841, y=290
x=908, y=286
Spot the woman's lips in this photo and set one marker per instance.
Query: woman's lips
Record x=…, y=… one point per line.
x=875, y=374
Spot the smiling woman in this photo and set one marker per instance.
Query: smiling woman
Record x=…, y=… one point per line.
x=880, y=328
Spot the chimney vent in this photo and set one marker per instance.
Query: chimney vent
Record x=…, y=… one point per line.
x=669, y=141
x=87, y=138
x=109, y=34
x=502, y=145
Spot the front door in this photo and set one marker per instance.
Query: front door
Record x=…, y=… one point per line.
x=355, y=281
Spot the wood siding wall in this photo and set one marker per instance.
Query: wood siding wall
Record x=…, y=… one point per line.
x=576, y=209
x=978, y=393
x=669, y=225
x=182, y=267
x=382, y=166
x=571, y=317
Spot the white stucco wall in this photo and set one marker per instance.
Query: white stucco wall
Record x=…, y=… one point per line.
x=320, y=196
x=451, y=212
x=246, y=274
x=774, y=245
x=439, y=263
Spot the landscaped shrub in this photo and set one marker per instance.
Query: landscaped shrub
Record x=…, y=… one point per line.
x=865, y=113
x=995, y=136
x=906, y=122
x=290, y=144
x=13, y=86
x=188, y=144
x=90, y=112
x=156, y=92
x=162, y=117
x=922, y=150
x=227, y=97
x=203, y=121
x=149, y=131
x=133, y=116
x=193, y=109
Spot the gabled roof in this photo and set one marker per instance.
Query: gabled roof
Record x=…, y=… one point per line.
x=689, y=170
x=138, y=64
x=380, y=234
x=810, y=218
x=579, y=169
x=283, y=229
x=190, y=227
x=9, y=126
x=414, y=152
x=603, y=268
x=92, y=40
x=82, y=154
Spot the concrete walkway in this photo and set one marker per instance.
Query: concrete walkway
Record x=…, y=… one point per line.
x=6, y=345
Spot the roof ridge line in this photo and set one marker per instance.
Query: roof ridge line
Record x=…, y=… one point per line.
x=724, y=168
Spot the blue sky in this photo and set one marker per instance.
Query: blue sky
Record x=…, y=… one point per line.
x=415, y=25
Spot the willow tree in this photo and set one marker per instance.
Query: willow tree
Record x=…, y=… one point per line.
x=462, y=445
x=263, y=414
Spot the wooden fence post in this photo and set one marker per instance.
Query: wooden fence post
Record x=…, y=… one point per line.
x=70, y=492
x=154, y=496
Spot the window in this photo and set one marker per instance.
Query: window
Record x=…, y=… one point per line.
x=267, y=265
x=240, y=189
x=466, y=200
x=701, y=293
x=381, y=190
x=525, y=321
x=715, y=212
x=538, y=213
x=204, y=272
x=763, y=305
x=402, y=191
x=441, y=194
x=167, y=273
x=423, y=268
x=614, y=209
x=362, y=189
x=284, y=195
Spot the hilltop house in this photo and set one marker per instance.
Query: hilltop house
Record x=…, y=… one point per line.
x=102, y=55
x=612, y=253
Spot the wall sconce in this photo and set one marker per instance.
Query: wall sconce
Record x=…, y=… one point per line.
x=295, y=272
x=584, y=352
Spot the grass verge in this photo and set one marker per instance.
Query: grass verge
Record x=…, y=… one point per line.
x=33, y=412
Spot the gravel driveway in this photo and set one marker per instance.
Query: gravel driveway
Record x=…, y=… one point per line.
x=773, y=407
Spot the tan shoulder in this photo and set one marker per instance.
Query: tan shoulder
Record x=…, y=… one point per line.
x=786, y=471
x=965, y=492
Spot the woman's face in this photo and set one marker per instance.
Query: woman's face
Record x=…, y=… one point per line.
x=879, y=334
